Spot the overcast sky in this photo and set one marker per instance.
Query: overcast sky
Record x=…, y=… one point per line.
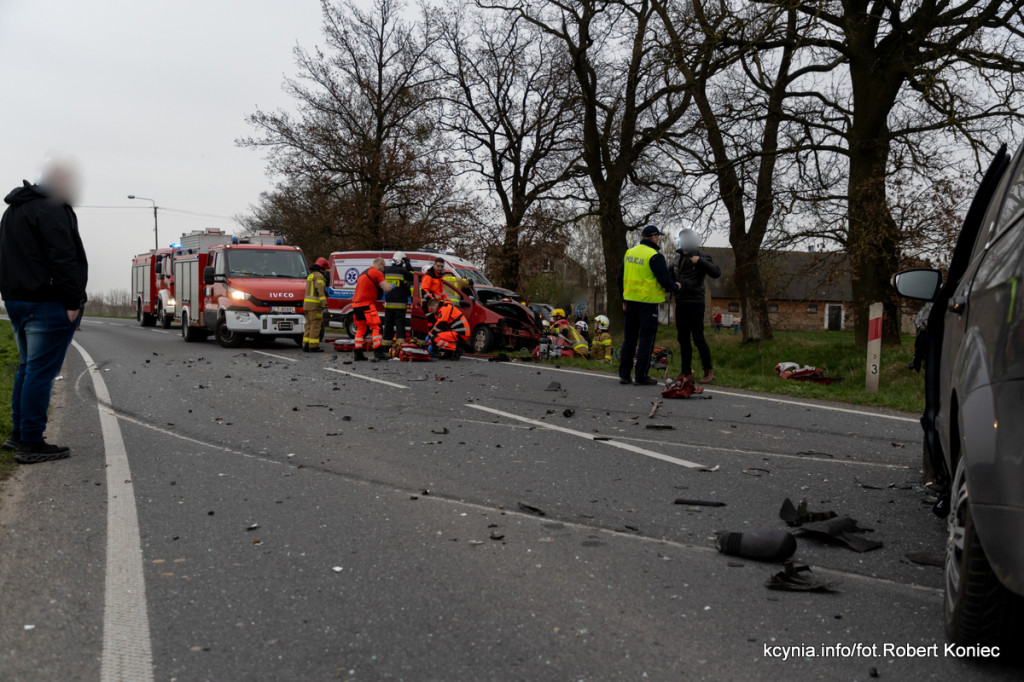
x=148, y=96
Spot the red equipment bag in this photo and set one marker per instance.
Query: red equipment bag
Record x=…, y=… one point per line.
x=682, y=388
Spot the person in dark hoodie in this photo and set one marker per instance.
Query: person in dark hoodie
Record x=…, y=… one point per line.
x=43, y=275
x=689, y=268
x=643, y=280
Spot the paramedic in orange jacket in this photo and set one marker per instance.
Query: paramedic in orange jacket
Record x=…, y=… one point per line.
x=432, y=283
x=370, y=286
x=449, y=328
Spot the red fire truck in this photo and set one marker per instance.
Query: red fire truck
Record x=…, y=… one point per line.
x=239, y=287
x=153, y=288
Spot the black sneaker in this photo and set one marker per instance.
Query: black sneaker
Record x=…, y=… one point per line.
x=11, y=443
x=40, y=451
x=646, y=381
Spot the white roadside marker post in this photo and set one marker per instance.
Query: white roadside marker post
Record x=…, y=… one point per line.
x=874, y=347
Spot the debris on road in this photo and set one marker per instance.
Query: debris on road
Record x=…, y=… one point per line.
x=554, y=386
x=699, y=503
x=654, y=408
x=756, y=471
x=568, y=412
x=842, y=530
x=710, y=470
x=530, y=509
x=797, y=516
x=660, y=427
x=442, y=432
x=927, y=558
x=763, y=544
x=438, y=377
x=500, y=357
x=337, y=569
x=790, y=580
x=682, y=387
x=602, y=437
x=253, y=527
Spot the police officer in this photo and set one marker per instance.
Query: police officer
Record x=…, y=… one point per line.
x=644, y=280
x=399, y=275
x=313, y=306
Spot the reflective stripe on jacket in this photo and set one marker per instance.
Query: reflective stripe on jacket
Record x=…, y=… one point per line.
x=316, y=293
x=638, y=280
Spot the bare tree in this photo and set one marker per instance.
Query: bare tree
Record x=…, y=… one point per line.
x=514, y=118
x=630, y=98
x=366, y=137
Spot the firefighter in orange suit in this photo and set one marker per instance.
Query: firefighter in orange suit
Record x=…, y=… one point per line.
x=313, y=306
x=370, y=286
x=432, y=283
x=449, y=328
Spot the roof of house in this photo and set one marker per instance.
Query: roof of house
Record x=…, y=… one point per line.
x=788, y=275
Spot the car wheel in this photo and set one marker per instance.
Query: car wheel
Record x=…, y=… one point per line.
x=225, y=337
x=350, y=327
x=978, y=608
x=165, y=321
x=481, y=339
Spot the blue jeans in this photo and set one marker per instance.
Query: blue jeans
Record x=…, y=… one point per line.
x=640, y=325
x=43, y=333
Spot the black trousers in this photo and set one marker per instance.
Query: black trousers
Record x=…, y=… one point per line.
x=641, y=325
x=690, y=322
x=394, y=324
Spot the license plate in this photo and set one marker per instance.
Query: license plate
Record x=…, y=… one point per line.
x=283, y=309
x=284, y=326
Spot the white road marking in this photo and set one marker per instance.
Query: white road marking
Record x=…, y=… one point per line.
x=714, y=448
x=718, y=391
x=363, y=376
x=127, y=655
x=160, y=331
x=590, y=437
x=279, y=357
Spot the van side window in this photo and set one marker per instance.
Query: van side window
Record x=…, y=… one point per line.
x=1013, y=205
x=220, y=264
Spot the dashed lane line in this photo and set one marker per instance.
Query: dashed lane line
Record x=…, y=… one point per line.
x=590, y=437
x=714, y=448
x=127, y=650
x=272, y=355
x=363, y=376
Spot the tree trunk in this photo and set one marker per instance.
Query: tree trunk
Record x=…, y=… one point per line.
x=508, y=269
x=613, y=240
x=754, y=320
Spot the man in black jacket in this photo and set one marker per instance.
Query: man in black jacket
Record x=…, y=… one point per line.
x=43, y=275
x=689, y=268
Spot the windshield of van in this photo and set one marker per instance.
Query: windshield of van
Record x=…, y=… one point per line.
x=474, y=276
x=266, y=263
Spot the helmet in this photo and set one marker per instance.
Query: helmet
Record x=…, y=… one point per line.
x=557, y=314
x=581, y=325
x=398, y=257
x=602, y=322
x=322, y=263
x=688, y=240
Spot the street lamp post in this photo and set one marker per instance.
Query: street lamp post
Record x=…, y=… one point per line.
x=156, y=237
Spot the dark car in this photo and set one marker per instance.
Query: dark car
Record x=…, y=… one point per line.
x=974, y=408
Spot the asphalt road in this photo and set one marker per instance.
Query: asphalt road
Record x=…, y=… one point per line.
x=304, y=518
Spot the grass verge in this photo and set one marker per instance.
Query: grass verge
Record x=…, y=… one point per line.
x=8, y=366
x=751, y=366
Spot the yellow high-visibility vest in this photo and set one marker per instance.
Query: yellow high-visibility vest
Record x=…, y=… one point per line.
x=315, y=295
x=638, y=282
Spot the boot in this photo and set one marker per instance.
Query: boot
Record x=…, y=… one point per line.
x=379, y=354
x=315, y=349
x=709, y=376
x=358, y=356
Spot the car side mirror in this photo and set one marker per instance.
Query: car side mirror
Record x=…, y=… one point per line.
x=463, y=303
x=919, y=284
x=208, y=274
